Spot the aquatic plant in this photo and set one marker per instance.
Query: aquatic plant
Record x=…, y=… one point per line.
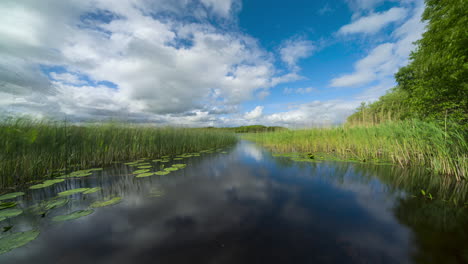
x=72, y=216
x=16, y=240
x=109, y=202
x=33, y=150
x=404, y=143
x=11, y=195
x=46, y=184
x=73, y=191
x=8, y=213
x=92, y=190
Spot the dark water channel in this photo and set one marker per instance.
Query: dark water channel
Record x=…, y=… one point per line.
x=243, y=206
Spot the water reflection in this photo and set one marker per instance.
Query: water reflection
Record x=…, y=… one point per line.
x=241, y=207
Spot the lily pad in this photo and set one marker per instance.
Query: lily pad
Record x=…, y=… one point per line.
x=72, y=216
x=73, y=191
x=46, y=184
x=7, y=205
x=7, y=213
x=16, y=240
x=141, y=171
x=11, y=195
x=162, y=172
x=145, y=167
x=178, y=158
x=52, y=204
x=171, y=169
x=92, y=190
x=112, y=201
x=96, y=169
x=148, y=174
x=77, y=174
x=180, y=165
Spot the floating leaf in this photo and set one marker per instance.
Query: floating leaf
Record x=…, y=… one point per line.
x=423, y=192
x=148, y=174
x=95, y=169
x=145, y=167
x=112, y=201
x=73, y=191
x=180, y=165
x=76, y=174
x=92, y=190
x=72, y=216
x=16, y=240
x=11, y=195
x=46, y=184
x=178, y=158
x=162, y=172
x=164, y=160
x=141, y=171
x=7, y=205
x=171, y=169
x=7, y=213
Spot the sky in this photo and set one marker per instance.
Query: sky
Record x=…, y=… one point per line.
x=296, y=63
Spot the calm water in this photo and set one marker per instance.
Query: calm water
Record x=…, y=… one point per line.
x=244, y=206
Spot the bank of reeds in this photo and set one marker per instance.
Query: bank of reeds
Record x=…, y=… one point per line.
x=31, y=150
x=444, y=150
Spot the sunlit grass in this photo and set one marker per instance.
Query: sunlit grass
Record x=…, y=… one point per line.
x=33, y=150
x=405, y=143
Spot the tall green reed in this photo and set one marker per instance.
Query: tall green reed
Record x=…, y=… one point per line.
x=31, y=150
x=444, y=151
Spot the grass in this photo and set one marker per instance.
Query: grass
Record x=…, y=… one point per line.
x=441, y=150
x=33, y=150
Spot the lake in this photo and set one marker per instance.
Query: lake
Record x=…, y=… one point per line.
x=242, y=205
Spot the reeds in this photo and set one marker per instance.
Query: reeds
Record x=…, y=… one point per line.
x=31, y=150
x=442, y=150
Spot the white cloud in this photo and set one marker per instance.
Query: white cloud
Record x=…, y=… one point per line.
x=293, y=50
x=306, y=90
x=254, y=114
x=67, y=78
x=160, y=67
x=385, y=59
x=374, y=22
x=364, y=4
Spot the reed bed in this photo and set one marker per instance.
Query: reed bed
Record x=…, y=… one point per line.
x=33, y=150
x=444, y=150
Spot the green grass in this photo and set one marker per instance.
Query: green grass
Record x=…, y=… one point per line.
x=443, y=151
x=33, y=150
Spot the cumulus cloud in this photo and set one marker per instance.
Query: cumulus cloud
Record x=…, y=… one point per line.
x=293, y=50
x=374, y=22
x=159, y=66
x=254, y=114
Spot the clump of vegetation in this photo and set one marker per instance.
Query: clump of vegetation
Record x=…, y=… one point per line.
x=250, y=129
x=434, y=86
x=404, y=143
x=34, y=150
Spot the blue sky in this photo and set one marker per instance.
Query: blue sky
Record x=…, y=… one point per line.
x=298, y=63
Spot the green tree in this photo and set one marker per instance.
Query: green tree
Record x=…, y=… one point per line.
x=436, y=78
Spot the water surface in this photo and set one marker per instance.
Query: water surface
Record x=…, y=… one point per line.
x=243, y=206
